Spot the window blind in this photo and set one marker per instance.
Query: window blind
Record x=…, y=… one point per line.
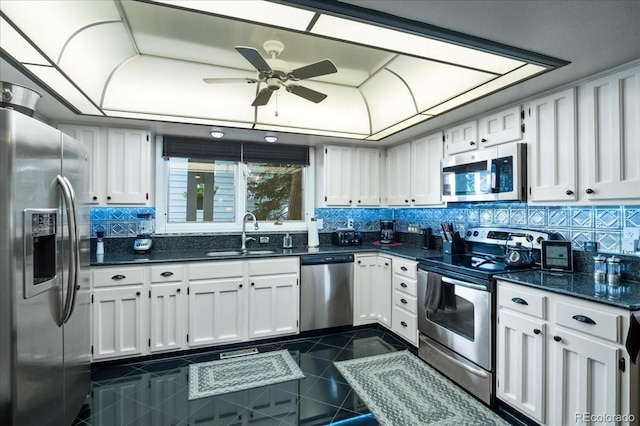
x=247, y=152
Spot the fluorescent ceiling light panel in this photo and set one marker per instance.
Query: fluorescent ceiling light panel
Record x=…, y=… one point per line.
x=411, y=121
x=52, y=78
x=397, y=41
x=497, y=84
x=389, y=100
x=176, y=119
x=50, y=24
x=261, y=12
x=20, y=49
x=305, y=131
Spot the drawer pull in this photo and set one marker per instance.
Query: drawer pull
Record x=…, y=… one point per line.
x=404, y=301
x=404, y=324
x=166, y=274
x=404, y=268
x=536, y=331
x=178, y=290
x=403, y=285
x=137, y=293
x=584, y=319
x=519, y=301
x=118, y=277
x=557, y=338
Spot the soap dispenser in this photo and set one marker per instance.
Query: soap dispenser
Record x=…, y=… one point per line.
x=287, y=241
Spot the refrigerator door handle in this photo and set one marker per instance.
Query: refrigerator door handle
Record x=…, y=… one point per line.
x=74, y=253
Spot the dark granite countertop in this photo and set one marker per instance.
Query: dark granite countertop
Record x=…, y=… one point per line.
x=583, y=286
x=164, y=256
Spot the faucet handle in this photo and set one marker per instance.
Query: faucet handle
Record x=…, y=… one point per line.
x=255, y=225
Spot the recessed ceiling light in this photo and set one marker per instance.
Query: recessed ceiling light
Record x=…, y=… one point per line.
x=217, y=134
x=270, y=138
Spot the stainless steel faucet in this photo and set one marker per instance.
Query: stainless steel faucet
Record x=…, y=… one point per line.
x=244, y=232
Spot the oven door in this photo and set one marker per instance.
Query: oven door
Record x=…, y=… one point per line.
x=464, y=323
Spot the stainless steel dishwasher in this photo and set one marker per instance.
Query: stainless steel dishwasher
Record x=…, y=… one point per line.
x=326, y=291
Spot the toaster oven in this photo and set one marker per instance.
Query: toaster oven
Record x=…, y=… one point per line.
x=348, y=237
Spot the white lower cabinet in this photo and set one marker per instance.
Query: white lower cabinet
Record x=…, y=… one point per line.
x=372, y=290
x=117, y=306
x=147, y=309
x=404, y=300
x=560, y=358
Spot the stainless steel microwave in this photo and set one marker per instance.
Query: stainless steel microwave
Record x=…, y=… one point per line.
x=492, y=174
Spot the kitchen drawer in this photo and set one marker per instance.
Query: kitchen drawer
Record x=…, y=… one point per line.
x=589, y=320
x=106, y=277
x=405, y=301
x=286, y=265
x=163, y=274
x=405, y=325
x=521, y=300
x=406, y=268
x=406, y=285
x=208, y=270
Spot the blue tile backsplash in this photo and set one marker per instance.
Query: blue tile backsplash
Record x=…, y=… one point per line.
x=117, y=221
x=578, y=224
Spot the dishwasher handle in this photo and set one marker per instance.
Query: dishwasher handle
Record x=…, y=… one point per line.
x=326, y=259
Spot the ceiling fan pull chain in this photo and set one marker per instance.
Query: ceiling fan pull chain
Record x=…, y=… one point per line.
x=276, y=104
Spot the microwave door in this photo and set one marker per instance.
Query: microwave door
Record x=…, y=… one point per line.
x=467, y=182
x=504, y=184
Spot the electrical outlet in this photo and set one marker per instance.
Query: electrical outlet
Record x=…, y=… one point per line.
x=264, y=240
x=630, y=237
x=349, y=223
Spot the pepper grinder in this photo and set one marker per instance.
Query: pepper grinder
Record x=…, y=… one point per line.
x=614, y=271
x=600, y=268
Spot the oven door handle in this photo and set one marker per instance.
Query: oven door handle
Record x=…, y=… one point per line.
x=477, y=372
x=463, y=284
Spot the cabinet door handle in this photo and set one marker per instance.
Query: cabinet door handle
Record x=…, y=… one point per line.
x=240, y=286
x=404, y=324
x=178, y=291
x=108, y=197
x=519, y=301
x=404, y=301
x=536, y=331
x=253, y=284
x=94, y=198
x=557, y=338
x=350, y=201
x=406, y=201
x=359, y=261
x=166, y=274
x=569, y=192
x=118, y=277
x=359, y=201
x=483, y=140
x=403, y=285
x=589, y=191
x=137, y=293
x=404, y=268
x=386, y=264
x=584, y=319
x=413, y=200
x=472, y=143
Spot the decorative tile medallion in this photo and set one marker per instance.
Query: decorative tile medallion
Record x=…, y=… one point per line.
x=401, y=390
x=246, y=372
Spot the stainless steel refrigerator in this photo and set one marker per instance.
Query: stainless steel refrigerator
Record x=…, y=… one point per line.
x=44, y=273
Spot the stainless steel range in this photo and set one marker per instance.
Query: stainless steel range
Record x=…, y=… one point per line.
x=456, y=304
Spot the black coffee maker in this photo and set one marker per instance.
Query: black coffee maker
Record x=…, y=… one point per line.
x=387, y=231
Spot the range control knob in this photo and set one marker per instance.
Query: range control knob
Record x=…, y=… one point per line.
x=539, y=240
x=529, y=238
x=476, y=233
x=468, y=233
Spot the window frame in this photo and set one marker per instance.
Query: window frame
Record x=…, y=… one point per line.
x=165, y=227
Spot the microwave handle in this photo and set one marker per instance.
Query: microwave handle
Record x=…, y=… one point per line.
x=495, y=178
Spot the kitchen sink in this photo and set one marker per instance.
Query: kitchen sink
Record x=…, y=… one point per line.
x=223, y=253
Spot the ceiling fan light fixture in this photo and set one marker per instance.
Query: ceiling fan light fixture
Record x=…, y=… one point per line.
x=217, y=134
x=271, y=138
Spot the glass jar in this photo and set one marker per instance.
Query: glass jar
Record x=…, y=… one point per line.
x=614, y=270
x=600, y=268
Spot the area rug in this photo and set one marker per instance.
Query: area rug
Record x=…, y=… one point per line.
x=400, y=389
x=241, y=373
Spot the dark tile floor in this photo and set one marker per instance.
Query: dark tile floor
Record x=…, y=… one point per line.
x=155, y=392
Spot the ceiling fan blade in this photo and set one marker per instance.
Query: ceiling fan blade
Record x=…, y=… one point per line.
x=308, y=94
x=313, y=70
x=229, y=80
x=255, y=58
x=263, y=97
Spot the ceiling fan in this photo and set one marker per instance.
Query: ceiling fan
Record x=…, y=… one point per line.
x=276, y=73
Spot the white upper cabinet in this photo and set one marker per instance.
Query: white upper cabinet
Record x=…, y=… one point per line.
x=501, y=127
x=399, y=175
x=366, y=181
x=90, y=137
x=426, y=154
x=551, y=137
x=351, y=176
x=119, y=163
x=128, y=166
x=612, y=142
x=461, y=138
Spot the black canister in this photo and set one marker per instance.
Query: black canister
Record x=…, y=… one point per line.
x=427, y=238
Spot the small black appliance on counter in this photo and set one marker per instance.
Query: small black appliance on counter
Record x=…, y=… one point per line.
x=387, y=231
x=346, y=237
